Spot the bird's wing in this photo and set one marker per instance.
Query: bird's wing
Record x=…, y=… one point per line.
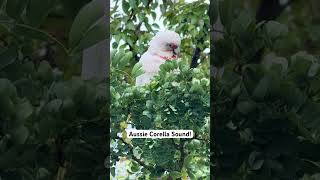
x=144, y=79
x=150, y=65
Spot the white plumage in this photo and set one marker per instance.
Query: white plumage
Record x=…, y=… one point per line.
x=165, y=45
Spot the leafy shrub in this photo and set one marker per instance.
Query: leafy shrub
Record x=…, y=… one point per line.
x=170, y=101
x=52, y=123
x=266, y=106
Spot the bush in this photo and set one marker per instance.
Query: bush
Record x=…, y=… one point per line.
x=266, y=106
x=170, y=101
x=52, y=123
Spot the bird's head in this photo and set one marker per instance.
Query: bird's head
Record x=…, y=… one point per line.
x=166, y=43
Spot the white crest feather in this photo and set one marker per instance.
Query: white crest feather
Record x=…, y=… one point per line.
x=151, y=59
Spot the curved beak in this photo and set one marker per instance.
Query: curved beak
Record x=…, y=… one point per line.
x=176, y=51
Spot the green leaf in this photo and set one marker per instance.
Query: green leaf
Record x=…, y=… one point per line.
x=213, y=11
x=44, y=72
x=125, y=6
x=236, y=91
x=126, y=58
x=154, y=15
x=303, y=56
x=46, y=128
x=174, y=175
x=145, y=2
x=8, y=158
x=241, y=24
x=271, y=59
x=94, y=35
x=147, y=113
x=54, y=106
x=113, y=171
x=38, y=10
x=20, y=134
x=311, y=177
x=132, y=3
x=68, y=109
x=246, y=106
x=313, y=69
x=163, y=8
x=8, y=56
x=23, y=111
x=134, y=167
x=275, y=30
x=262, y=88
x=14, y=8
x=148, y=27
x=117, y=57
x=155, y=26
x=137, y=70
x=43, y=173
x=86, y=19
x=7, y=89
x=7, y=106
x=149, y=104
x=33, y=33
x=255, y=161
x=227, y=12
x=137, y=151
x=130, y=26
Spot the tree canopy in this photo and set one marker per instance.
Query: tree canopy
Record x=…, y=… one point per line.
x=171, y=101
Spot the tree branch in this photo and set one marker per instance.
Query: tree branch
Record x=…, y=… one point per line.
x=182, y=153
x=195, y=57
x=139, y=161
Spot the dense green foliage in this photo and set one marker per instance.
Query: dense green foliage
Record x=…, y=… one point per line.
x=133, y=24
x=171, y=101
x=266, y=94
x=52, y=123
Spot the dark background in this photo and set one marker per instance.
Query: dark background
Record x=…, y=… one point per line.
x=53, y=121
x=265, y=106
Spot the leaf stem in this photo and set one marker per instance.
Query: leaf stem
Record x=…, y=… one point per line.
x=47, y=35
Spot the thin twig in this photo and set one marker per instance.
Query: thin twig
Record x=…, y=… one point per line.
x=49, y=36
x=195, y=57
x=139, y=161
x=182, y=153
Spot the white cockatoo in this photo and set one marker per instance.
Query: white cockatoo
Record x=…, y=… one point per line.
x=164, y=46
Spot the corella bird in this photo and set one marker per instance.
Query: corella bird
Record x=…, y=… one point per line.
x=164, y=46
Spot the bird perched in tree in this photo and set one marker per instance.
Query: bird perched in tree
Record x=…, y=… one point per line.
x=164, y=46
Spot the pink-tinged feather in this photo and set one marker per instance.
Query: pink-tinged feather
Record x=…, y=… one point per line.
x=157, y=54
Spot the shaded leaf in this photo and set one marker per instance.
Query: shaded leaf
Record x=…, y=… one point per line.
x=37, y=10
x=7, y=57
x=85, y=21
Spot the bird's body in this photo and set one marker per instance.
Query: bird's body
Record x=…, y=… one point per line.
x=164, y=46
